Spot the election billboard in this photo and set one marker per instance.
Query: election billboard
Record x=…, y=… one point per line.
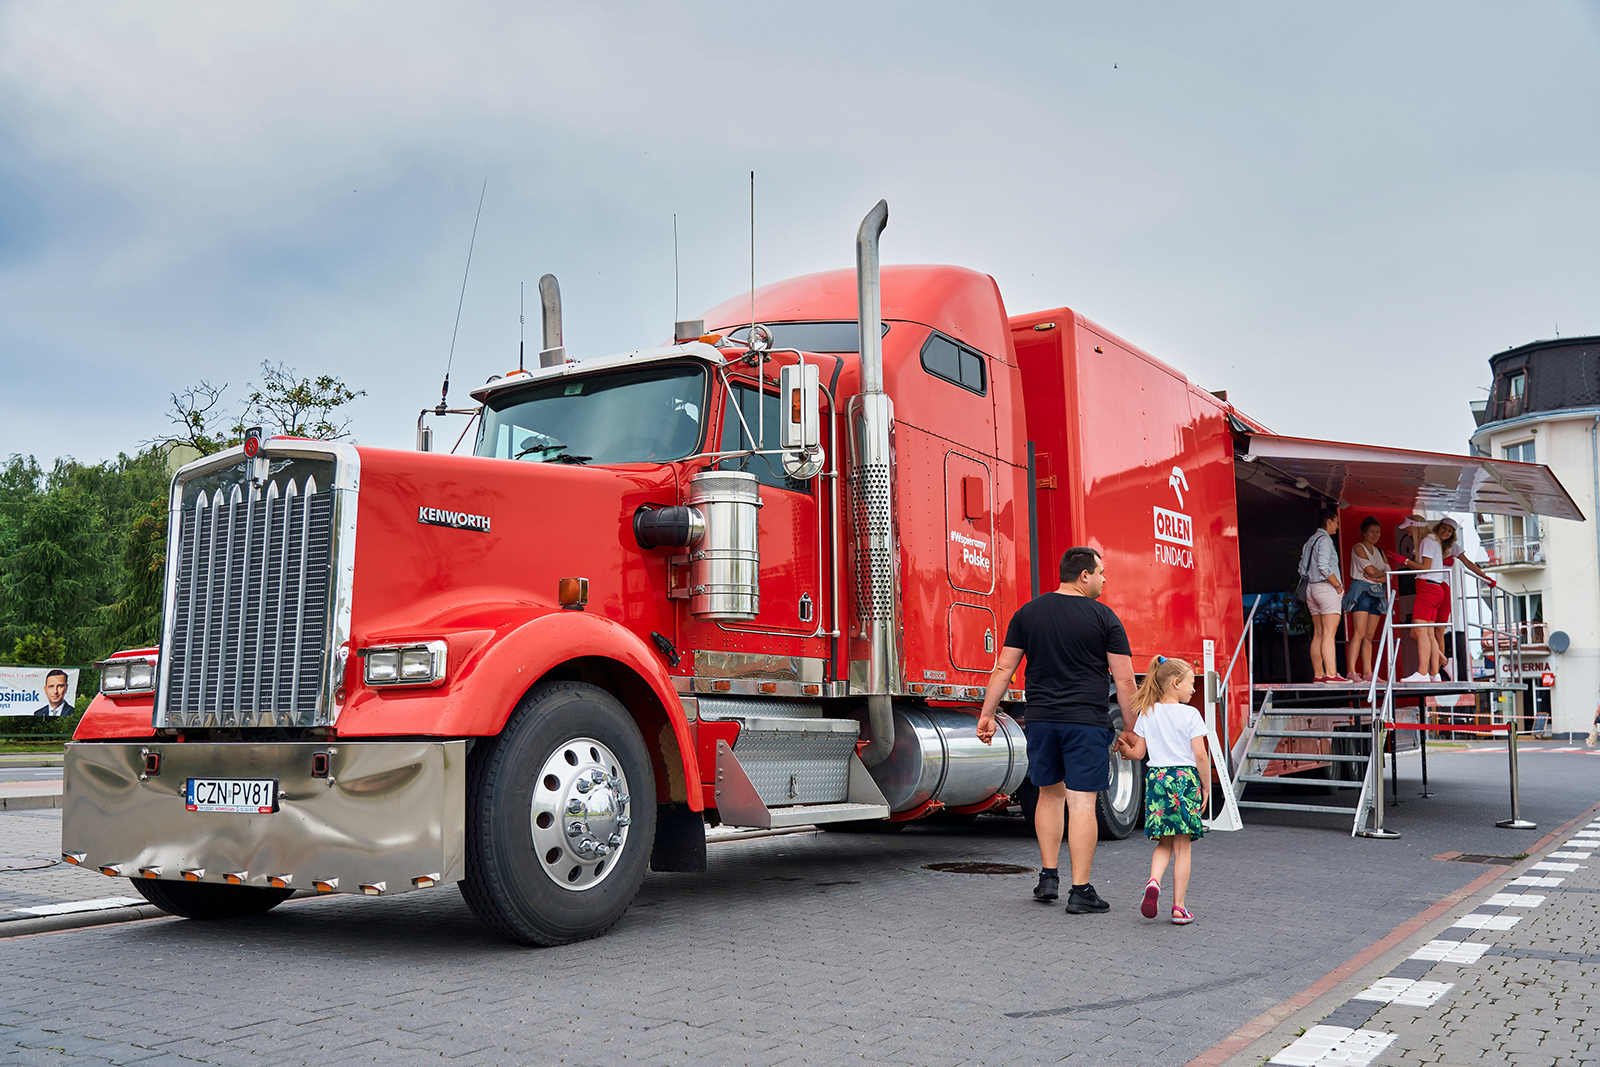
x=40, y=692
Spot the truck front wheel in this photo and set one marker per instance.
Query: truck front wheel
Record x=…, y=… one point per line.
x=203, y=900
x=561, y=812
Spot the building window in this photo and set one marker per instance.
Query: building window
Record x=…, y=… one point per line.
x=955, y=363
x=1522, y=452
x=1527, y=613
x=1514, y=403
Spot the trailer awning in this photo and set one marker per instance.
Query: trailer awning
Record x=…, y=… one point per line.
x=1373, y=477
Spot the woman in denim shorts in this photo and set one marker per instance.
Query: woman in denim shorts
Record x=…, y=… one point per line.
x=1366, y=599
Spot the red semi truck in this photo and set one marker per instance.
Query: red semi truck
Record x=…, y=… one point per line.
x=756, y=577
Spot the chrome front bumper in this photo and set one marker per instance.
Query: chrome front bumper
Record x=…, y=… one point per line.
x=390, y=816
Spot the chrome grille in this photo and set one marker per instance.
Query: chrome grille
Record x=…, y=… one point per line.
x=250, y=593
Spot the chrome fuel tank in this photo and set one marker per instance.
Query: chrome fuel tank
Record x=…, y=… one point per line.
x=937, y=756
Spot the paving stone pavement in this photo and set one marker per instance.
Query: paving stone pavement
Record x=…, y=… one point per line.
x=810, y=948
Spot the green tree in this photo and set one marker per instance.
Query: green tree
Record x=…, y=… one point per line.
x=133, y=620
x=300, y=407
x=284, y=403
x=39, y=646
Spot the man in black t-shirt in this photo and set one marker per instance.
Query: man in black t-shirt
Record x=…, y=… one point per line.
x=1071, y=642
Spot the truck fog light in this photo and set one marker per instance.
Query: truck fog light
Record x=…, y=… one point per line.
x=419, y=663
x=383, y=667
x=416, y=664
x=127, y=674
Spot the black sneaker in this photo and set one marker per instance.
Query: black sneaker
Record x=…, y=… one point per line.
x=1049, y=887
x=1085, y=899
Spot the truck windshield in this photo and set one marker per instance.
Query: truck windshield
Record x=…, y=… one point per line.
x=651, y=415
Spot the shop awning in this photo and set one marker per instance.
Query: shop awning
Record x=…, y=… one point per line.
x=1372, y=477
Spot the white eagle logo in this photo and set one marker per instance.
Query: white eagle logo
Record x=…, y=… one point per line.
x=1179, y=483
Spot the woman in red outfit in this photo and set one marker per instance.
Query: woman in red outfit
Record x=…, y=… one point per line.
x=1435, y=552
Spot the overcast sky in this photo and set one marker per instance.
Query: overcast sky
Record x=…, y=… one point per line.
x=1334, y=212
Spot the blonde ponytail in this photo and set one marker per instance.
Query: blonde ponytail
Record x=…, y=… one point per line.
x=1163, y=672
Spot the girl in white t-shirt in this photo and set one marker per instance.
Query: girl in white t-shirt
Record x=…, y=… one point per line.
x=1170, y=734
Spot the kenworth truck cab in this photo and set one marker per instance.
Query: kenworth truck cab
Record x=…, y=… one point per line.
x=756, y=577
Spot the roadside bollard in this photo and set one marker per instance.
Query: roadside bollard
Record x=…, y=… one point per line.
x=1375, y=771
x=1516, y=822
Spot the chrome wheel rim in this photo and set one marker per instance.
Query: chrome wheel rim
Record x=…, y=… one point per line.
x=579, y=816
x=1121, y=792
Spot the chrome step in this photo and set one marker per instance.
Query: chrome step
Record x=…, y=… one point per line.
x=809, y=814
x=1327, y=735
x=1271, y=806
x=1279, y=779
x=1310, y=757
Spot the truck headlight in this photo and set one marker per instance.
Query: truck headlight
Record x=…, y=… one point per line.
x=422, y=663
x=127, y=674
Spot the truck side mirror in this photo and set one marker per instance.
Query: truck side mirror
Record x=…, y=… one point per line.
x=800, y=436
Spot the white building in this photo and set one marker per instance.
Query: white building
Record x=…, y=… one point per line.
x=1544, y=407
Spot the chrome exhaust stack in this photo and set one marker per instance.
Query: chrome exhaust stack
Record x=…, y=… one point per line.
x=871, y=420
x=552, y=354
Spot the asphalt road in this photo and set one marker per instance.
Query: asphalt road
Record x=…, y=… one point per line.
x=810, y=948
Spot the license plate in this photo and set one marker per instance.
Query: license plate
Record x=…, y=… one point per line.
x=254, y=796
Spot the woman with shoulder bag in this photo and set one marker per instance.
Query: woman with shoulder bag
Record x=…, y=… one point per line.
x=1319, y=566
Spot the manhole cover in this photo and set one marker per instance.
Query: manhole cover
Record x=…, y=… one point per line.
x=972, y=867
x=1498, y=861
x=26, y=863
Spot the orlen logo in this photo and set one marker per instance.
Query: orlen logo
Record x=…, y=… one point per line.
x=1174, y=530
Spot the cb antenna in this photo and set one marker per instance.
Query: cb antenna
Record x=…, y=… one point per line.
x=444, y=391
x=522, y=318
x=674, y=266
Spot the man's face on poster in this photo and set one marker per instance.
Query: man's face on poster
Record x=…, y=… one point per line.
x=55, y=687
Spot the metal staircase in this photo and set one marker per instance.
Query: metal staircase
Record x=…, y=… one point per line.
x=1369, y=706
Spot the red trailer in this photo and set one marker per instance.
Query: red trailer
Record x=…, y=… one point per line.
x=756, y=577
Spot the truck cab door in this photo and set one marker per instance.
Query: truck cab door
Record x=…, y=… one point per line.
x=969, y=494
x=792, y=585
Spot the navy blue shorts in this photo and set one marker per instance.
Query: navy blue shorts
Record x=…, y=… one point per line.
x=1070, y=752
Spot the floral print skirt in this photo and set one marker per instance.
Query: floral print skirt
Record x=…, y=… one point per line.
x=1172, y=802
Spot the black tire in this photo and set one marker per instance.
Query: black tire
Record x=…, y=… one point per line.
x=521, y=826
x=1120, y=809
x=203, y=900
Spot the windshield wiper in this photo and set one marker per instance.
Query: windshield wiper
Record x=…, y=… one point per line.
x=546, y=443
x=568, y=457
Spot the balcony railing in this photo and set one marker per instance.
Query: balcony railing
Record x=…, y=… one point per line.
x=1531, y=633
x=1511, y=637
x=1512, y=406
x=1514, y=551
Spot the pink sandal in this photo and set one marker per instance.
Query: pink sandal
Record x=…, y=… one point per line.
x=1152, y=893
x=1181, y=916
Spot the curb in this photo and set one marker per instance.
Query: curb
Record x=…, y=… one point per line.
x=49, y=924
x=24, y=802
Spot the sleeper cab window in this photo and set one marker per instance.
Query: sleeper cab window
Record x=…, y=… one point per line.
x=957, y=364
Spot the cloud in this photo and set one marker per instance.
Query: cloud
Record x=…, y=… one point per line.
x=1269, y=198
